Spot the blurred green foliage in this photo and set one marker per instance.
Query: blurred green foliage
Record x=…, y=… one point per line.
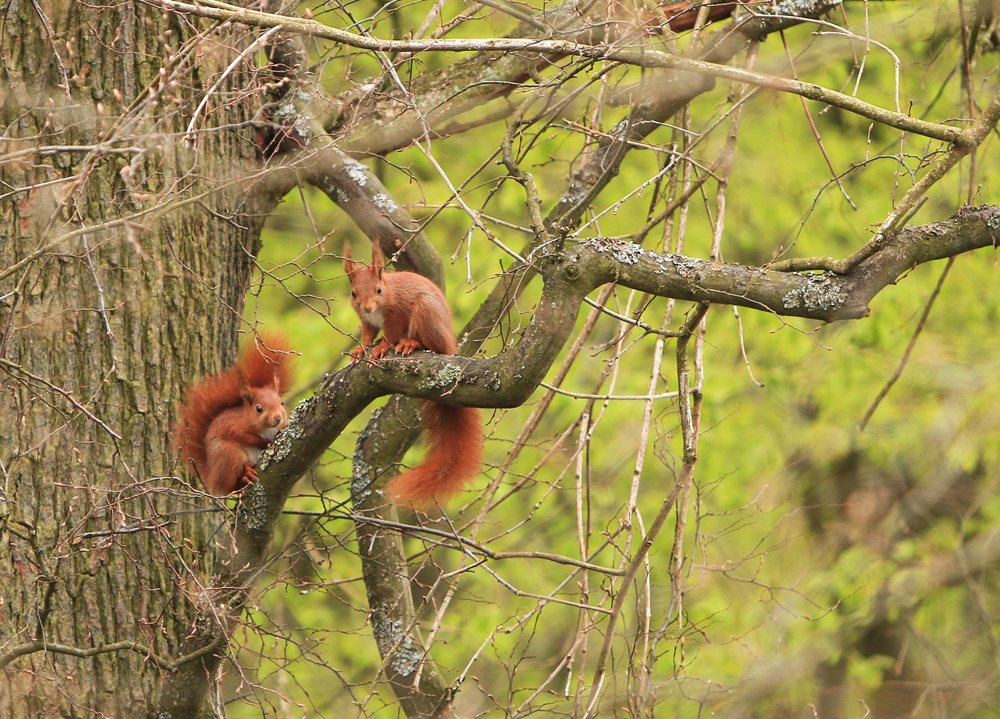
x=797, y=524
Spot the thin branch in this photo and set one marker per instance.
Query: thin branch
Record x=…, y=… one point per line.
x=690, y=456
x=644, y=58
x=12, y=367
x=909, y=347
x=966, y=143
x=477, y=546
x=608, y=397
x=166, y=664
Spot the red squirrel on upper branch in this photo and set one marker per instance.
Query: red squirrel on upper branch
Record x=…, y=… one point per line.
x=413, y=314
x=229, y=418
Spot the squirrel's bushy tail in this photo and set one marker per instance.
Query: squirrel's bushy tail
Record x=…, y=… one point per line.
x=268, y=361
x=454, y=453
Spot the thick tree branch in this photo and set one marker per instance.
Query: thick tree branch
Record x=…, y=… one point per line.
x=509, y=379
x=414, y=677
x=357, y=191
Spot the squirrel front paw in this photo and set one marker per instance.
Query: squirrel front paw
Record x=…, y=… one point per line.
x=357, y=353
x=379, y=350
x=249, y=475
x=408, y=346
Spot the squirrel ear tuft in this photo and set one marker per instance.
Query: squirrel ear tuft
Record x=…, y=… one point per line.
x=348, y=263
x=246, y=393
x=378, y=263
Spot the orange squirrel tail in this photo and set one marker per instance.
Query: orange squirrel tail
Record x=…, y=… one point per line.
x=203, y=401
x=454, y=453
x=268, y=361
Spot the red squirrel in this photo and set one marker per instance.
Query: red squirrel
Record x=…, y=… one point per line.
x=413, y=314
x=229, y=418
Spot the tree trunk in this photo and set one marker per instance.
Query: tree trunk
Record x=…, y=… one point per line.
x=104, y=322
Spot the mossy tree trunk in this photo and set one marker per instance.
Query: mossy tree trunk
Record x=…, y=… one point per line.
x=103, y=322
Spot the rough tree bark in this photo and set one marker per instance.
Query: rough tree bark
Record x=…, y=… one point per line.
x=138, y=286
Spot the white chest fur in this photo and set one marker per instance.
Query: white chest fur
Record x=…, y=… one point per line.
x=253, y=453
x=375, y=318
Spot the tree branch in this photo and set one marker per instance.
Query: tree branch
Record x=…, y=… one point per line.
x=643, y=57
x=147, y=652
x=509, y=378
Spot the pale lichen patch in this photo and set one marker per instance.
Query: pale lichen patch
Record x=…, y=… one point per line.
x=687, y=266
x=362, y=479
x=384, y=202
x=363, y=475
x=253, y=507
x=628, y=253
x=277, y=450
x=443, y=377
x=821, y=293
x=389, y=635
x=357, y=172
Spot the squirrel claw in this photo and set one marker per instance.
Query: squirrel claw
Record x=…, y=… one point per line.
x=408, y=346
x=362, y=353
x=379, y=350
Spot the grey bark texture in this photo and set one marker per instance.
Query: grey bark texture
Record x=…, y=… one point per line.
x=101, y=549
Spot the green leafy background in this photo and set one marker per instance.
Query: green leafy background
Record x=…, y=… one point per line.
x=789, y=555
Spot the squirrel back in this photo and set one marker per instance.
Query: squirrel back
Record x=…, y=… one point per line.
x=228, y=418
x=413, y=314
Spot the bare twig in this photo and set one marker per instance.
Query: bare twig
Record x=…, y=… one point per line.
x=909, y=347
x=645, y=58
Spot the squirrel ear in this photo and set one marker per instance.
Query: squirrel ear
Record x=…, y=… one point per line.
x=246, y=393
x=348, y=264
x=378, y=263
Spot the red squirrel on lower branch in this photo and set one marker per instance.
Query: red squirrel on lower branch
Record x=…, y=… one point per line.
x=413, y=314
x=228, y=419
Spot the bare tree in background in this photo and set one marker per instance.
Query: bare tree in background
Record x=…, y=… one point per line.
x=145, y=144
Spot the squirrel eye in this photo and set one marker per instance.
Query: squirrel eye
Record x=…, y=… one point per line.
x=282, y=403
x=379, y=290
x=260, y=409
x=353, y=294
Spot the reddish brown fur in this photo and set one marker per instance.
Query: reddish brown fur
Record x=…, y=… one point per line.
x=268, y=362
x=413, y=314
x=221, y=429
x=454, y=453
